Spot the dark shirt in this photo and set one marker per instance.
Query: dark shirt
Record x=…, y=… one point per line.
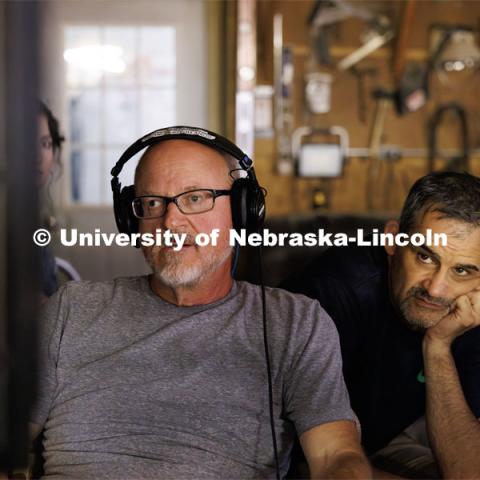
x=48, y=272
x=382, y=357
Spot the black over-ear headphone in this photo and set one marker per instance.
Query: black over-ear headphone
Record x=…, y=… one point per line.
x=247, y=197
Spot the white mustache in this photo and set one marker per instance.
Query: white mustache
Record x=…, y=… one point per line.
x=184, y=237
x=176, y=239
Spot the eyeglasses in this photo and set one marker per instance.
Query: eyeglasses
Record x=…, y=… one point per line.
x=193, y=201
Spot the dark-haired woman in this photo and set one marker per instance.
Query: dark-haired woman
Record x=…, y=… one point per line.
x=48, y=164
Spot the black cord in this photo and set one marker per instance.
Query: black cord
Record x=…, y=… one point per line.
x=236, y=254
x=269, y=368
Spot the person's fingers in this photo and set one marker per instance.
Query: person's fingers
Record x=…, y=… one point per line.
x=467, y=311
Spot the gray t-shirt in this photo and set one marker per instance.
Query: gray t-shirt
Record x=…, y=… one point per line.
x=134, y=387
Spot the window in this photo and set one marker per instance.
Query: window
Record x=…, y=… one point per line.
x=120, y=84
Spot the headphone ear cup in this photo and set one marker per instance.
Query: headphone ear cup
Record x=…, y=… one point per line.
x=238, y=204
x=248, y=205
x=127, y=222
x=256, y=207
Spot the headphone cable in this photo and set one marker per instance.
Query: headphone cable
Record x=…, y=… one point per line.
x=269, y=368
x=236, y=254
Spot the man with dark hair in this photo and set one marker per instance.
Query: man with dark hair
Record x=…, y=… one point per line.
x=408, y=321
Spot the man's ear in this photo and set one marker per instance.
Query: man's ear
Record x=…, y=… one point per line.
x=393, y=227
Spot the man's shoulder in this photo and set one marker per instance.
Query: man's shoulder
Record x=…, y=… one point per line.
x=77, y=304
x=352, y=265
x=294, y=322
x=284, y=307
x=88, y=290
x=352, y=262
x=276, y=295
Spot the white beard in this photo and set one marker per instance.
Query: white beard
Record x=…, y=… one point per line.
x=172, y=272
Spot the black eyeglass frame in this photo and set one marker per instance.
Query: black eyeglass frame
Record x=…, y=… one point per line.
x=168, y=200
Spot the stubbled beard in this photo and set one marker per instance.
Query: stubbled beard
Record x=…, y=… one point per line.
x=419, y=321
x=169, y=267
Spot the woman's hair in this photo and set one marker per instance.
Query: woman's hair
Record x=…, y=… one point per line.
x=47, y=210
x=53, y=127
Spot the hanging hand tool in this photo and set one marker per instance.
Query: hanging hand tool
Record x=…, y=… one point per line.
x=384, y=99
x=361, y=75
x=459, y=162
x=378, y=35
x=410, y=79
x=326, y=13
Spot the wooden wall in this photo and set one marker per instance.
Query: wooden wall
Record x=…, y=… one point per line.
x=288, y=195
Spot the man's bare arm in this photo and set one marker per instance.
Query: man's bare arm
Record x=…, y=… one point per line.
x=453, y=429
x=333, y=451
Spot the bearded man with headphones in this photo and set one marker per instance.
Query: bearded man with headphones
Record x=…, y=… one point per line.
x=187, y=373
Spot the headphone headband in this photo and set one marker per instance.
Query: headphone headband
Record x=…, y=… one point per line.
x=199, y=135
x=247, y=197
